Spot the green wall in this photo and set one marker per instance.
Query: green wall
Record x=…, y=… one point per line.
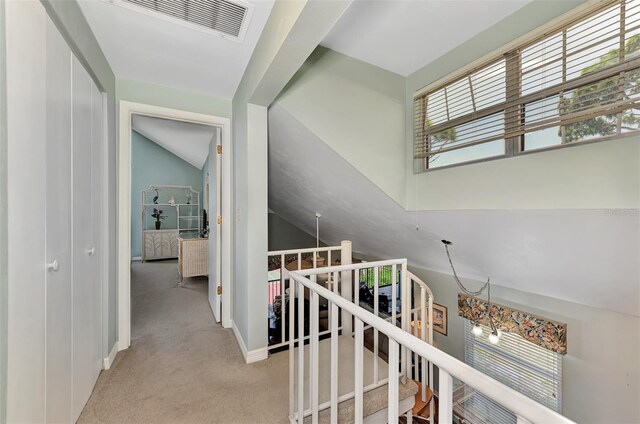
x=283, y=235
x=152, y=164
x=157, y=95
x=598, y=175
x=357, y=109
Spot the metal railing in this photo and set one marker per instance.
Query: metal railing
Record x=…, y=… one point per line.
x=405, y=351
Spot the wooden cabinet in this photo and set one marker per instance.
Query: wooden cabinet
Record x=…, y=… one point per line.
x=159, y=244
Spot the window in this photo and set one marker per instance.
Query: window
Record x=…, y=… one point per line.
x=526, y=367
x=579, y=82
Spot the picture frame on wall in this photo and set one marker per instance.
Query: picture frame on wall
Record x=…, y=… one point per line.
x=440, y=319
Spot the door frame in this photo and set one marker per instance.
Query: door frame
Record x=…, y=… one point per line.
x=126, y=110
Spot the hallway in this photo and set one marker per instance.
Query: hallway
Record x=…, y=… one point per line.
x=182, y=366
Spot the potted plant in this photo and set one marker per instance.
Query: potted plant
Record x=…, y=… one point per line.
x=157, y=214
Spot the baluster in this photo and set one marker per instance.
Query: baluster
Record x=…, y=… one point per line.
x=423, y=336
x=405, y=318
x=313, y=343
x=393, y=382
x=359, y=371
x=334, y=363
x=445, y=398
x=376, y=312
x=282, y=304
x=299, y=261
x=356, y=283
x=292, y=344
x=417, y=325
x=394, y=294
x=300, y=353
x=430, y=312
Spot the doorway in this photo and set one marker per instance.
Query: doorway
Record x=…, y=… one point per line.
x=219, y=240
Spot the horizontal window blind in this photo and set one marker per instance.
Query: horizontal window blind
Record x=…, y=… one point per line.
x=582, y=80
x=525, y=367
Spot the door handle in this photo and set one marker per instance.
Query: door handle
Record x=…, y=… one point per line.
x=91, y=251
x=53, y=266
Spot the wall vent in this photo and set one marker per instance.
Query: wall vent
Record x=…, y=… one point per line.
x=226, y=18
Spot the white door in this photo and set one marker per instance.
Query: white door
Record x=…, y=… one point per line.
x=214, y=235
x=26, y=176
x=86, y=289
x=58, y=231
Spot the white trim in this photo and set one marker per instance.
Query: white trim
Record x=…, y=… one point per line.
x=108, y=361
x=542, y=30
x=136, y=258
x=126, y=110
x=106, y=231
x=249, y=355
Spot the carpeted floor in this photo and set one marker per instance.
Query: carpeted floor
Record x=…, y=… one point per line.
x=182, y=367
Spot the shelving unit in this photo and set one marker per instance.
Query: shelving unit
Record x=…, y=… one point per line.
x=182, y=217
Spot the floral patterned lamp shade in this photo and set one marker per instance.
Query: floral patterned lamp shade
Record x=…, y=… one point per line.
x=549, y=334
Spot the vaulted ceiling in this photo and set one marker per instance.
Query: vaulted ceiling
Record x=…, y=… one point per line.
x=403, y=36
x=190, y=142
x=145, y=46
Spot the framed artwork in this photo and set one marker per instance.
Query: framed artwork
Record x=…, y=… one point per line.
x=440, y=318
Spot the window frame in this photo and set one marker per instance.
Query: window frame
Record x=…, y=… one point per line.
x=514, y=146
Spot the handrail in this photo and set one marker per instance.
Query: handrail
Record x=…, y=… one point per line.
x=421, y=283
x=305, y=250
x=522, y=406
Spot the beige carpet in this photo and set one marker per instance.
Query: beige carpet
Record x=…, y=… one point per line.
x=182, y=367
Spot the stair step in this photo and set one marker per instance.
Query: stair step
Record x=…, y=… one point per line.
x=375, y=405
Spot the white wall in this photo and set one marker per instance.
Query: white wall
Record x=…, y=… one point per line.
x=601, y=371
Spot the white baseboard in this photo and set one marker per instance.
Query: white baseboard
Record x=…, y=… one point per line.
x=249, y=355
x=136, y=258
x=108, y=361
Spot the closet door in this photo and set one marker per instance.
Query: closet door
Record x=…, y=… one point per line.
x=58, y=228
x=86, y=311
x=26, y=114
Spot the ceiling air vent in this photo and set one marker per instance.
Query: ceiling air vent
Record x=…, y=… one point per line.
x=225, y=18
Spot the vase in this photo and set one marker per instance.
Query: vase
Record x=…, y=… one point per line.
x=158, y=223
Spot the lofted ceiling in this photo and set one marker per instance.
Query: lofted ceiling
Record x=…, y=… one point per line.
x=190, y=142
x=402, y=36
x=144, y=46
x=575, y=255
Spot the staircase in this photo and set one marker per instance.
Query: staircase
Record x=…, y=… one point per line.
x=338, y=378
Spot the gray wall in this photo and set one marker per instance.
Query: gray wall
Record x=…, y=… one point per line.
x=283, y=235
x=3, y=221
x=601, y=371
x=152, y=164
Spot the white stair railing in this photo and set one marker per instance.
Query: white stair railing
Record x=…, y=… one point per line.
x=402, y=345
x=277, y=288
